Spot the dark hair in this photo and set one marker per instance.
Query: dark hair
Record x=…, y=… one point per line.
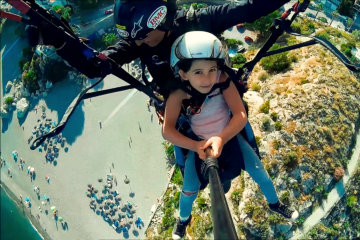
x=185, y=64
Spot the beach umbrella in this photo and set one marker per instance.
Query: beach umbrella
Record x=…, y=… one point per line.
x=60, y=219
x=27, y=199
x=53, y=208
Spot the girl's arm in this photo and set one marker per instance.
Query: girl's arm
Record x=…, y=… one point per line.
x=236, y=124
x=170, y=133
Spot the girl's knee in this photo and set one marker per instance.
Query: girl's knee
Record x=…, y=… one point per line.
x=189, y=193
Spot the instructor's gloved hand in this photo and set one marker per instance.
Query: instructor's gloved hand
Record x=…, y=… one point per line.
x=42, y=36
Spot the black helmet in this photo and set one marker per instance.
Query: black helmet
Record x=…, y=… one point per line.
x=136, y=18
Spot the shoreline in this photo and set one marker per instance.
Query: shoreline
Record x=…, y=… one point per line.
x=91, y=163
x=35, y=223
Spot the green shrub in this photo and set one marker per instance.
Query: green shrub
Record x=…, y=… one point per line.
x=177, y=177
x=346, y=48
x=9, y=100
x=291, y=160
x=304, y=81
x=351, y=201
x=274, y=219
x=194, y=5
x=320, y=189
x=276, y=144
x=168, y=220
x=278, y=126
x=21, y=63
x=263, y=76
x=322, y=19
x=201, y=5
x=265, y=107
x=323, y=35
x=266, y=124
x=186, y=6
x=109, y=39
x=276, y=63
x=169, y=150
x=311, y=26
x=232, y=43
x=26, y=66
x=258, y=141
x=285, y=197
x=255, y=87
x=274, y=116
x=176, y=199
x=236, y=197
x=296, y=26
x=29, y=79
x=65, y=12
x=201, y=203
x=300, y=221
x=238, y=60
x=264, y=23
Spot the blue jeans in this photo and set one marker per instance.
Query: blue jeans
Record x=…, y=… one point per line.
x=253, y=166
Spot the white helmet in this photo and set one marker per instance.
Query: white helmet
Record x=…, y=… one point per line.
x=196, y=45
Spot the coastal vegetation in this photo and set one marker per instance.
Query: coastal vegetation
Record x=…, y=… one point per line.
x=64, y=11
x=276, y=63
x=30, y=75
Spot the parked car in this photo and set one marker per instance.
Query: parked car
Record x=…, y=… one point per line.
x=248, y=39
x=240, y=49
x=109, y=11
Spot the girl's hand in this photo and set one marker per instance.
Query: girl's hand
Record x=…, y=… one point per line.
x=216, y=143
x=199, y=147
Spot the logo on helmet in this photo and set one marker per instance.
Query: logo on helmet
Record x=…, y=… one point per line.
x=121, y=31
x=137, y=27
x=156, y=17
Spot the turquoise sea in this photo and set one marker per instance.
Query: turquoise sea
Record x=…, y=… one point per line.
x=14, y=224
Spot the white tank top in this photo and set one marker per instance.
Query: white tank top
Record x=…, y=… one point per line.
x=214, y=116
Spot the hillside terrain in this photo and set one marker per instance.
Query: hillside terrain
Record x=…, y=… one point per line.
x=305, y=119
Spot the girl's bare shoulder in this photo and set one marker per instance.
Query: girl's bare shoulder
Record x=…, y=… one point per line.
x=179, y=94
x=223, y=77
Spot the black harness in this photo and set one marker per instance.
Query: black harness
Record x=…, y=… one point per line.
x=193, y=105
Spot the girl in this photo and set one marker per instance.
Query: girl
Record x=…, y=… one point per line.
x=216, y=114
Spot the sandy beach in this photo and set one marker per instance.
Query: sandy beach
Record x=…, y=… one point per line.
x=107, y=140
